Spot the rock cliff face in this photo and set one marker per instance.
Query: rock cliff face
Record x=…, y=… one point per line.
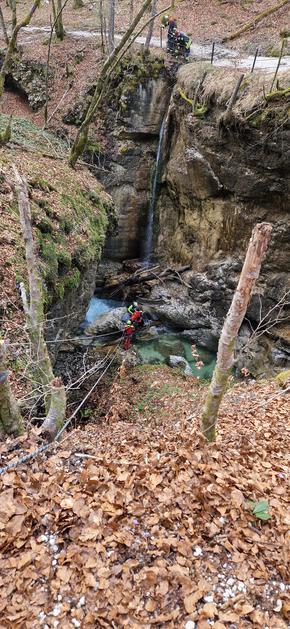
x=134, y=137
x=221, y=177
x=29, y=78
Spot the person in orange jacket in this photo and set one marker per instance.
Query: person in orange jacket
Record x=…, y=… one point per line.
x=137, y=319
x=128, y=333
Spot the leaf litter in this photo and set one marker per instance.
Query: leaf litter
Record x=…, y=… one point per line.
x=133, y=521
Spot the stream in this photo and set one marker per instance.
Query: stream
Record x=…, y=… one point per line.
x=159, y=345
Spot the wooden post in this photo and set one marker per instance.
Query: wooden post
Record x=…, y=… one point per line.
x=233, y=98
x=225, y=357
x=212, y=53
x=278, y=64
x=161, y=37
x=255, y=59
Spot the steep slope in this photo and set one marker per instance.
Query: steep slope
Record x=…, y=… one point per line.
x=157, y=529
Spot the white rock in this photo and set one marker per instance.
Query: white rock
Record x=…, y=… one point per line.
x=81, y=602
x=56, y=611
x=278, y=606
x=241, y=587
x=208, y=598
x=189, y=625
x=197, y=551
x=282, y=587
x=43, y=538
x=75, y=622
x=230, y=581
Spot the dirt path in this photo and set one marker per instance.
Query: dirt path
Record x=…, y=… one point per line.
x=224, y=57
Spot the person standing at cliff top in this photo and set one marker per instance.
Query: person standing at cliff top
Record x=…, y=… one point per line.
x=170, y=22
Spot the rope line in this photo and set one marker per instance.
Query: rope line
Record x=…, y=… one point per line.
x=47, y=446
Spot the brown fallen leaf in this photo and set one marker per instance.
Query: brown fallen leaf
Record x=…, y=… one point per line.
x=191, y=600
x=209, y=610
x=150, y=605
x=237, y=497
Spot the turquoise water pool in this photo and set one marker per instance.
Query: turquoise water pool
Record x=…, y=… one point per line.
x=157, y=351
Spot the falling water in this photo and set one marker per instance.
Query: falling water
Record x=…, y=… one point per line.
x=148, y=244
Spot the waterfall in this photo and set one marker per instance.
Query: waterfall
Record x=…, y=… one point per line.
x=148, y=244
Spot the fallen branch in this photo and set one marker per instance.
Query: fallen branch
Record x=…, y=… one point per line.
x=255, y=21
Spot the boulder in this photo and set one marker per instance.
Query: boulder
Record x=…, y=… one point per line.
x=180, y=363
x=108, y=322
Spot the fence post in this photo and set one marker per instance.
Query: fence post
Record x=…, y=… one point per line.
x=212, y=53
x=255, y=59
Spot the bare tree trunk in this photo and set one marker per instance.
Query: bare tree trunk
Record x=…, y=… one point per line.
x=102, y=26
x=53, y=389
x=131, y=11
x=10, y=416
x=56, y=414
x=34, y=311
x=82, y=135
x=12, y=44
x=58, y=21
x=3, y=26
x=14, y=14
x=111, y=24
x=225, y=358
x=151, y=25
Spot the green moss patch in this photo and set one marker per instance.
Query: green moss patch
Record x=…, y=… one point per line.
x=70, y=216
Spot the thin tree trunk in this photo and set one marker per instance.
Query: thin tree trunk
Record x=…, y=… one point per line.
x=42, y=369
x=10, y=416
x=82, y=135
x=131, y=11
x=3, y=26
x=111, y=25
x=14, y=13
x=101, y=17
x=225, y=358
x=58, y=21
x=151, y=25
x=255, y=21
x=52, y=26
x=56, y=414
x=12, y=44
x=53, y=389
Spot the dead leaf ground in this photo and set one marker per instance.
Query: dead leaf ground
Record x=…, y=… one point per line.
x=135, y=522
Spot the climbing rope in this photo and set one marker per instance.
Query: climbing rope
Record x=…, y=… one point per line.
x=47, y=446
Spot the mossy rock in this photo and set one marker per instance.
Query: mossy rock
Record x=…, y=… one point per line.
x=283, y=378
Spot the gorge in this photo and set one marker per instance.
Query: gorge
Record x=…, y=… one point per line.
x=216, y=178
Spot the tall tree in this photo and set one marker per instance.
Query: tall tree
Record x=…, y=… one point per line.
x=14, y=13
x=43, y=376
x=111, y=24
x=57, y=8
x=3, y=26
x=151, y=25
x=225, y=357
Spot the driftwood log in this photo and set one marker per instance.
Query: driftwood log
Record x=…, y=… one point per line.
x=149, y=275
